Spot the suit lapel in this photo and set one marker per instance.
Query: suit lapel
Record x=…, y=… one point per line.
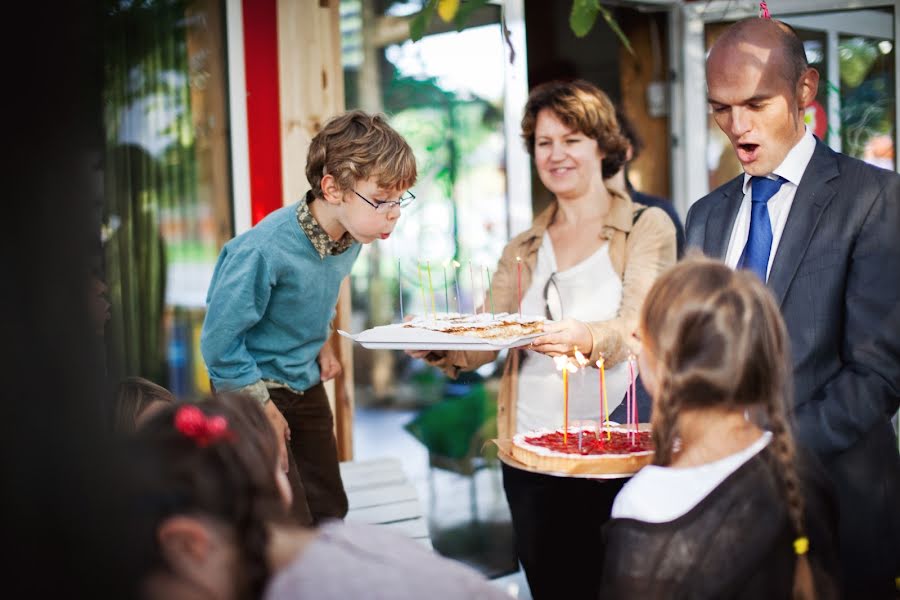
x=817, y=188
x=721, y=219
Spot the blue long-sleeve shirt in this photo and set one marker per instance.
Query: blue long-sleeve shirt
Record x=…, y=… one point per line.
x=270, y=303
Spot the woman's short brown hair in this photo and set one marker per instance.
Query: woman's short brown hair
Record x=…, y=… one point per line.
x=356, y=145
x=581, y=106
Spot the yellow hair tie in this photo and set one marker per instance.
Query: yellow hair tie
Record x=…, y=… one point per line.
x=801, y=546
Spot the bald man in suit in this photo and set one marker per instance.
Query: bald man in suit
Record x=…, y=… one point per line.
x=823, y=230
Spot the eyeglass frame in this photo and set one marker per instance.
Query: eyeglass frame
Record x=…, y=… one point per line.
x=552, y=280
x=385, y=206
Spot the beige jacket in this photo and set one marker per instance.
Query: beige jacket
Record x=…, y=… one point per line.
x=639, y=252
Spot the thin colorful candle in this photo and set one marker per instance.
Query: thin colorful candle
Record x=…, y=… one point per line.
x=566, y=406
x=446, y=293
x=483, y=288
x=519, y=282
x=422, y=287
x=604, y=405
x=632, y=401
x=400, y=287
x=431, y=290
x=633, y=362
x=472, y=280
x=456, y=283
x=562, y=363
x=490, y=291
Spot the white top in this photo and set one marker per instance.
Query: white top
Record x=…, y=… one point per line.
x=350, y=560
x=660, y=494
x=792, y=170
x=588, y=291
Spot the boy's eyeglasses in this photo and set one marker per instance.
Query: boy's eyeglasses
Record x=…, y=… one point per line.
x=383, y=207
x=553, y=309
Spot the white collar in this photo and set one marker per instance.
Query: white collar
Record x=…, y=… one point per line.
x=795, y=163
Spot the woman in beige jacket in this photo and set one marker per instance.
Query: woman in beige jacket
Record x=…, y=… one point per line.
x=591, y=252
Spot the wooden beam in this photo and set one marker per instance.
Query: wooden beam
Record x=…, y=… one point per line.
x=312, y=90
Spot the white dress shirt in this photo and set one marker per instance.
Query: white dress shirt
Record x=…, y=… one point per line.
x=779, y=205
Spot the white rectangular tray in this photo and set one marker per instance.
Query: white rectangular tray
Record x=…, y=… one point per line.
x=397, y=337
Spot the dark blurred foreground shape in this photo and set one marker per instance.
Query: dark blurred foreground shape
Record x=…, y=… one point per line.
x=60, y=524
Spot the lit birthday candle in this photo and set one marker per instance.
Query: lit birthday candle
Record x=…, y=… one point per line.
x=565, y=365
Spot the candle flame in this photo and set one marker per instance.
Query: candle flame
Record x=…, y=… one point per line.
x=518, y=259
x=580, y=359
x=600, y=363
x=564, y=363
x=456, y=264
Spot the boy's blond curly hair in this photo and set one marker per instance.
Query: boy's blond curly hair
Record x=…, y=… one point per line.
x=356, y=145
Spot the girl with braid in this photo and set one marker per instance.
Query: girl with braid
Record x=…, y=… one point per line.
x=213, y=522
x=730, y=508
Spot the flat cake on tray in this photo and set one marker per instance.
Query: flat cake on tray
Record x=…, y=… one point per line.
x=453, y=331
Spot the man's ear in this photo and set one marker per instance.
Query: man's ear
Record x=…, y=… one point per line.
x=807, y=88
x=185, y=543
x=331, y=191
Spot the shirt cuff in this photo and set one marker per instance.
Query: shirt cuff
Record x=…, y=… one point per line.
x=258, y=391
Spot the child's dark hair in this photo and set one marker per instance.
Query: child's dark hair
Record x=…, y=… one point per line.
x=718, y=340
x=229, y=479
x=133, y=396
x=356, y=145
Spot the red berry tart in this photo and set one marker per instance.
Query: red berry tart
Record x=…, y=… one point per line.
x=625, y=451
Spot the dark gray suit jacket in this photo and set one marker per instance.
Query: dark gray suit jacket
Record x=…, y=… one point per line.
x=836, y=276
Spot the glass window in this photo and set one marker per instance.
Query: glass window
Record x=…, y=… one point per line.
x=168, y=208
x=868, y=105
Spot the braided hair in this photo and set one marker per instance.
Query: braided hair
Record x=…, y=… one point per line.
x=228, y=479
x=718, y=340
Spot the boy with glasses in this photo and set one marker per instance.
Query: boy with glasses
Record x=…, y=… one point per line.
x=275, y=287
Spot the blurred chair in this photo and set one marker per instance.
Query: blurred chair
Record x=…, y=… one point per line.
x=455, y=432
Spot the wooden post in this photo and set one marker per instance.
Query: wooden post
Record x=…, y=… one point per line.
x=312, y=90
x=650, y=171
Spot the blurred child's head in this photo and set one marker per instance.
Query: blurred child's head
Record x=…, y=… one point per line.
x=137, y=399
x=712, y=338
x=203, y=493
x=254, y=419
x=356, y=162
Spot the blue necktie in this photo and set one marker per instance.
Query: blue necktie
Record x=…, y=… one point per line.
x=759, y=240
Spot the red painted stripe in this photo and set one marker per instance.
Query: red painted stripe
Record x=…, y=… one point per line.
x=263, y=112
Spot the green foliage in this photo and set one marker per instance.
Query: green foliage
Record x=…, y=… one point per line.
x=581, y=19
x=584, y=15
x=419, y=24
x=440, y=122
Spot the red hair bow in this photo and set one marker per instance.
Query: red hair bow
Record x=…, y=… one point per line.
x=204, y=430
